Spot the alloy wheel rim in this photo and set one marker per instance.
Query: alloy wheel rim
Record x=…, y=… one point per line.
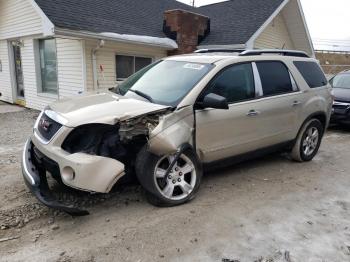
x=181, y=180
x=310, y=141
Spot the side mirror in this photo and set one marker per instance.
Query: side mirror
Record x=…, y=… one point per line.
x=214, y=101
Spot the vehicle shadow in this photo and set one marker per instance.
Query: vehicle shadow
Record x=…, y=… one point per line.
x=339, y=128
x=130, y=191
x=244, y=166
x=124, y=192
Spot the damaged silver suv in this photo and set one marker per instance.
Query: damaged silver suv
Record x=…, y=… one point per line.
x=176, y=116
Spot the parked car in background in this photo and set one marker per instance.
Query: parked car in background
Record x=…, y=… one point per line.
x=177, y=115
x=341, y=93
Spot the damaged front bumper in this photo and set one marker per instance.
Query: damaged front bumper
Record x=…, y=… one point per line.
x=35, y=179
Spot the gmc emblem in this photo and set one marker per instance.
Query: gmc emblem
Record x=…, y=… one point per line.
x=45, y=124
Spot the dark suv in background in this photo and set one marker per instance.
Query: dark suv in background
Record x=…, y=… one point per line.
x=341, y=93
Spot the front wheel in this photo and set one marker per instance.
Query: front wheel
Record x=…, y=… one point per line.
x=176, y=188
x=308, y=141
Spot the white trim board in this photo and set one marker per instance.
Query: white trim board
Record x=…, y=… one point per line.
x=306, y=28
x=48, y=26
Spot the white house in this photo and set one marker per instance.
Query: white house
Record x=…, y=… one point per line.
x=51, y=49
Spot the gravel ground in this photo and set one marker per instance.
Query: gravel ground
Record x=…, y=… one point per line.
x=269, y=209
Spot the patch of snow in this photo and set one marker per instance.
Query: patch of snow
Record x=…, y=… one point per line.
x=158, y=41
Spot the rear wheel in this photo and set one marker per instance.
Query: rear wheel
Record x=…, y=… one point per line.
x=178, y=187
x=308, y=141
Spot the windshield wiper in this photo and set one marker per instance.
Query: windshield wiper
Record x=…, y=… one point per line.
x=137, y=92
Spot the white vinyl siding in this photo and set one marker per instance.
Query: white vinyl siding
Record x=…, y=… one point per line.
x=18, y=18
x=294, y=20
x=106, y=58
x=73, y=66
x=276, y=35
x=70, y=67
x=5, y=75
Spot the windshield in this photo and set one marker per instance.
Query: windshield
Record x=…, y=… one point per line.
x=341, y=81
x=165, y=82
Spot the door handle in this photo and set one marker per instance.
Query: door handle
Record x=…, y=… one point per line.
x=253, y=113
x=296, y=103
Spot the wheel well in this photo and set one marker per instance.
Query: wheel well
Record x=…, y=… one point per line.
x=321, y=117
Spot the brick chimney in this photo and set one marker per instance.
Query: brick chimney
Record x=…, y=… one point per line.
x=186, y=28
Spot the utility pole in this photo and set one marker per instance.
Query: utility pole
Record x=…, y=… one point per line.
x=193, y=2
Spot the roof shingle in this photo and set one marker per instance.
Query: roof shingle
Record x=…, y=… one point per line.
x=232, y=22
x=235, y=21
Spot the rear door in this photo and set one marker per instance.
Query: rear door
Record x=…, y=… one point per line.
x=279, y=104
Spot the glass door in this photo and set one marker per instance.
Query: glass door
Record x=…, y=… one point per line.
x=18, y=71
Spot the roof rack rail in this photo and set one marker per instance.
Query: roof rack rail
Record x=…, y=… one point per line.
x=219, y=50
x=275, y=51
x=244, y=52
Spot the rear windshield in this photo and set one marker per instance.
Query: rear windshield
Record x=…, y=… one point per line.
x=341, y=81
x=312, y=73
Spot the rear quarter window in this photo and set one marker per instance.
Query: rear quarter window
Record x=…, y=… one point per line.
x=312, y=73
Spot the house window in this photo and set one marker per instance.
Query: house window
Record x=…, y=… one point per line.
x=48, y=65
x=128, y=65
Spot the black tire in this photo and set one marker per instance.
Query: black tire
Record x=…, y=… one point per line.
x=146, y=164
x=298, y=152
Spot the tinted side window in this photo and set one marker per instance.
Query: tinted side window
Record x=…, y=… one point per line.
x=312, y=73
x=235, y=83
x=275, y=78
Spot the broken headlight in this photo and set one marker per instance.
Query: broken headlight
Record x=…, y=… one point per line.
x=95, y=139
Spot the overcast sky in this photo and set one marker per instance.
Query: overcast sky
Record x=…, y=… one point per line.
x=328, y=21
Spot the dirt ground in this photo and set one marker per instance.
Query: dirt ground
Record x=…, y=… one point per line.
x=270, y=209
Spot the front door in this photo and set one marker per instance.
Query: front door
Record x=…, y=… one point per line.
x=225, y=133
x=18, y=72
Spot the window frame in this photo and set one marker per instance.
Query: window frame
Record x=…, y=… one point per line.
x=207, y=86
x=259, y=93
x=39, y=78
x=118, y=80
x=294, y=84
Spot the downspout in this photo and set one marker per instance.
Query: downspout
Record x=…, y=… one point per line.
x=101, y=44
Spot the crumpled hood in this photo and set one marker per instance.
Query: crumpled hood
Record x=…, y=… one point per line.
x=341, y=94
x=102, y=108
